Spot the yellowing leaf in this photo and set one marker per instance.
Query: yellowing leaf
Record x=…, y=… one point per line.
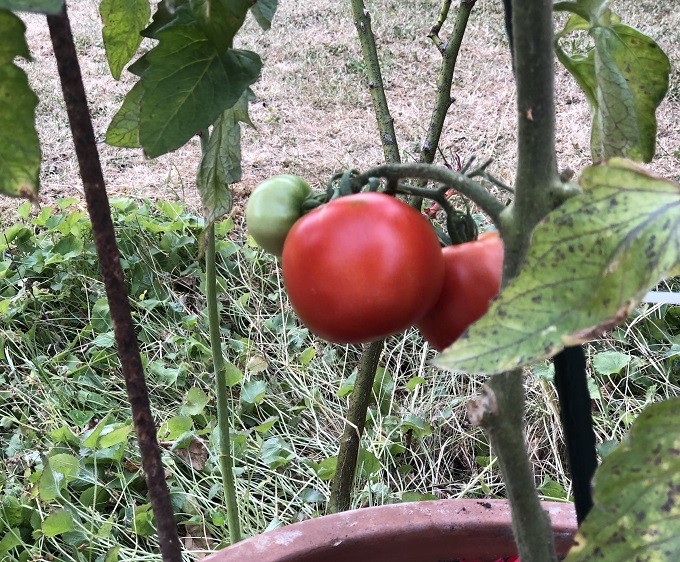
x=590, y=262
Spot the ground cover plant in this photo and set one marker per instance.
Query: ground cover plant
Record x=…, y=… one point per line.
x=252, y=361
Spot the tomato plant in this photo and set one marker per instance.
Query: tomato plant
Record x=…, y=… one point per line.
x=273, y=208
x=472, y=279
x=362, y=267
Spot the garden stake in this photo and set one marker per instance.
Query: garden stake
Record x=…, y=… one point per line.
x=114, y=281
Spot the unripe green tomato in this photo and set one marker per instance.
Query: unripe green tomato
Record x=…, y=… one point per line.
x=272, y=209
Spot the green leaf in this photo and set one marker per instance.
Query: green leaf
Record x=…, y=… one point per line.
x=347, y=385
x=221, y=162
x=266, y=425
x=142, y=523
x=123, y=131
x=39, y=6
x=66, y=465
x=589, y=264
x=13, y=44
x=11, y=539
x=264, y=11
x=123, y=20
x=306, y=356
x=19, y=144
x=407, y=497
x=419, y=426
x=115, y=436
x=112, y=554
x=233, y=374
x=57, y=523
x=368, y=463
x=220, y=19
x=636, y=500
x=194, y=402
x=414, y=382
x=189, y=84
x=175, y=427
x=325, y=470
x=610, y=362
x=549, y=488
x=253, y=392
x=276, y=452
x=92, y=438
x=625, y=78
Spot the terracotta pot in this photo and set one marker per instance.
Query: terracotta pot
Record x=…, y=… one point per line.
x=431, y=531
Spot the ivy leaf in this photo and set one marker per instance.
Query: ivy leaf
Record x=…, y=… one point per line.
x=189, y=84
x=19, y=145
x=636, y=500
x=624, y=76
x=263, y=11
x=123, y=20
x=221, y=162
x=590, y=262
x=39, y=6
x=220, y=19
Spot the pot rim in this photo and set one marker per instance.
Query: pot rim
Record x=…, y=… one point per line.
x=440, y=530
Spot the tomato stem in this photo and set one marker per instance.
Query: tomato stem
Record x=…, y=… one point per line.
x=450, y=179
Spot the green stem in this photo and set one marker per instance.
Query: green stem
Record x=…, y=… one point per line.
x=471, y=189
x=354, y=427
x=500, y=412
x=223, y=422
x=449, y=51
x=388, y=137
x=537, y=176
x=501, y=407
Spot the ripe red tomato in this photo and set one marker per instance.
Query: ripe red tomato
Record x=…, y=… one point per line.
x=472, y=279
x=362, y=267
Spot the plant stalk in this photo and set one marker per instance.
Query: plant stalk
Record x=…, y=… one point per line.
x=114, y=281
x=223, y=410
x=500, y=409
x=343, y=480
x=444, y=99
x=388, y=137
x=500, y=412
x=348, y=454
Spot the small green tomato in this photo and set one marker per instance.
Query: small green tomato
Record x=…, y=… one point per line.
x=272, y=209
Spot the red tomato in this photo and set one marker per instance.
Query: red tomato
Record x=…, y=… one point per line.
x=472, y=279
x=362, y=267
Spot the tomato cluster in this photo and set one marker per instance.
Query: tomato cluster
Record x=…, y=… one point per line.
x=367, y=265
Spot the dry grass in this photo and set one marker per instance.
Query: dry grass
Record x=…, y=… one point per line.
x=313, y=111
x=313, y=117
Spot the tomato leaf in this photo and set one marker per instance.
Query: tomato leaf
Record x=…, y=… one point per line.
x=220, y=19
x=624, y=76
x=188, y=84
x=19, y=144
x=221, y=162
x=39, y=6
x=264, y=11
x=590, y=262
x=123, y=130
x=636, y=501
x=123, y=20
